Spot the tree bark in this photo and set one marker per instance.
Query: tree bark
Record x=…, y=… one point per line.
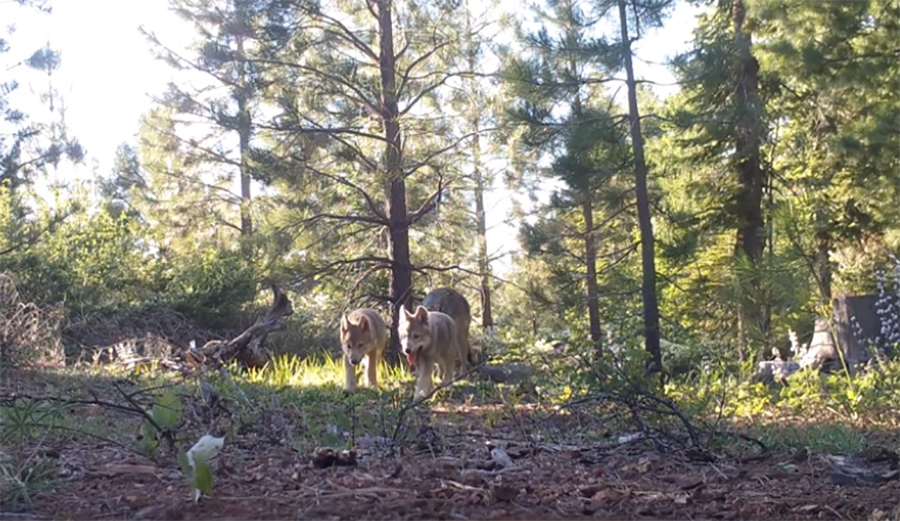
x=242, y=95
x=590, y=261
x=750, y=234
x=823, y=261
x=398, y=218
x=648, y=261
x=484, y=262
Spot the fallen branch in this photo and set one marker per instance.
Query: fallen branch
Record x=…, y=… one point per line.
x=247, y=348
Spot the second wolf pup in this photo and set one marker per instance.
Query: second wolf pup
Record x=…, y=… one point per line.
x=452, y=303
x=363, y=336
x=429, y=338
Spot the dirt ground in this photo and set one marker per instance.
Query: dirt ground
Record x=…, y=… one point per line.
x=277, y=483
x=447, y=472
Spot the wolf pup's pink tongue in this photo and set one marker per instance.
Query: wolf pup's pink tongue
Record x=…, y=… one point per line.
x=411, y=358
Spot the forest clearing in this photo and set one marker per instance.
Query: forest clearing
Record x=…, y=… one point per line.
x=388, y=259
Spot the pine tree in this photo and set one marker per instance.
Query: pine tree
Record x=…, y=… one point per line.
x=31, y=147
x=356, y=85
x=838, y=138
x=724, y=112
x=647, y=14
x=559, y=104
x=218, y=119
x=474, y=99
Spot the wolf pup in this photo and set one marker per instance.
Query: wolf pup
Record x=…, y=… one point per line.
x=452, y=303
x=363, y=335
x=429, y=338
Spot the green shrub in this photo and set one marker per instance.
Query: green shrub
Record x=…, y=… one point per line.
x=213, y=287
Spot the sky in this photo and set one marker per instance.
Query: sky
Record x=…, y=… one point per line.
x=109, y=74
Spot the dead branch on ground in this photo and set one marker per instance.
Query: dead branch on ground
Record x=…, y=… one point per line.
x=248, y=348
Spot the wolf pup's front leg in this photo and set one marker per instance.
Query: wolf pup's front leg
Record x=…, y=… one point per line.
x=446, y=372
x=372, y=361
x=349, y=374
x=424, y=385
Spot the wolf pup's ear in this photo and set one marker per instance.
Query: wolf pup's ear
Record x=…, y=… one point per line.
x=422, y=314
x=345, y=324
x=363, y=323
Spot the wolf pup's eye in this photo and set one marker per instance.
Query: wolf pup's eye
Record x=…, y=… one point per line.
x=360, y=345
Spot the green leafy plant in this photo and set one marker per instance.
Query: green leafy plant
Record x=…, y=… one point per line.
x=26, y=424
x=195, y=464
x=165, y=414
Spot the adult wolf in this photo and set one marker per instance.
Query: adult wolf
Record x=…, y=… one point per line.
x=363, y=336
x=452, y=303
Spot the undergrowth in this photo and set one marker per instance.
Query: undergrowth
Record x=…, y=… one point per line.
x=301, y=404
x=821, y=412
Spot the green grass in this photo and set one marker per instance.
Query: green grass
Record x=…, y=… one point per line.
x=321, y=371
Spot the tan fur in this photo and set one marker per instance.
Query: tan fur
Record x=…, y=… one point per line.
x=363, y=339
x=431, y=338
x=453, y=303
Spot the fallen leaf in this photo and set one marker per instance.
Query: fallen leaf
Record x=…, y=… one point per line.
x=504, y=493
x=890, y=475
x=325, y=457
x=688, y=482
x=800, y=456
x=168, y=512
x=115, y=470
x=501, y=457
x=643, y=465
x=879, y=454
x=136, y=502
x=608, y=495
x=398, y=468
x=589, y=491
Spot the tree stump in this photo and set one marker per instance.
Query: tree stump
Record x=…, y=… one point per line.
x=827, y=339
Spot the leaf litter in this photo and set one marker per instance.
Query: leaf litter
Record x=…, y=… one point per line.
x=466, y=469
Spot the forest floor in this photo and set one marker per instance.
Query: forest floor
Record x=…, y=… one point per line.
x=432, y=461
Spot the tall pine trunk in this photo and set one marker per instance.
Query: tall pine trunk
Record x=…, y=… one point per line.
x=590, y=261
x=484, y=262
x=823, y=261
x=244, y=133
x=749, y=242
x=398, y=218
x=648, y=261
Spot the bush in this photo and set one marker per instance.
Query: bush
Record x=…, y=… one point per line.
x=29, y=335
x=212, y=288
